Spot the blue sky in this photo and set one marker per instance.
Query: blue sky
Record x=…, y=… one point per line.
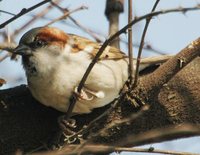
x=169, y=33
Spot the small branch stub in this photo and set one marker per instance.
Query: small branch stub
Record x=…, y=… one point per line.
x=112, y=11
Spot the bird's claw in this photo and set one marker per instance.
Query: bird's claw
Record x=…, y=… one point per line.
x=65, y=124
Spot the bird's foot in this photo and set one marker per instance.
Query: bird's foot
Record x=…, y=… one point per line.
x=65, y=135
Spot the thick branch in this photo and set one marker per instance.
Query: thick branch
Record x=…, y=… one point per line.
x=170, y=68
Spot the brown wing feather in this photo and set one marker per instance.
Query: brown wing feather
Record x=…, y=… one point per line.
x=79, y=44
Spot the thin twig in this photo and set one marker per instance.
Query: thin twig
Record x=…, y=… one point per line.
x=6, y=12
x=146, y=47
x=4, y=57
x=106, y=148
x=152, y=150
x=7, y=46
x=149, y=47
x=66, y=14
x=73, y=97
x=23, y=12
x=34, y=18
x=142, y=44
x=155, y=135
x=88, y=31
x=130, y=41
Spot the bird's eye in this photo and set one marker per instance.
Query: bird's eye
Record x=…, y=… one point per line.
x=39, y=43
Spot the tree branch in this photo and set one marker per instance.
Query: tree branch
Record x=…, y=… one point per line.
x=23, y=12
x=170, y=68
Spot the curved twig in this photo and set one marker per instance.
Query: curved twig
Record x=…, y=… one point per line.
x=142, y=44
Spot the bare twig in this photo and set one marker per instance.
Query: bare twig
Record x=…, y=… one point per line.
x=66, y=14
x=39, y=15
x=158, y=134
x=7, y=46
x=149, y=47
x=142, y=44
x=6, y=12
x=90, y=32
x=152, y=150
x=73, y=98
x=130, y=41
x=4, y=57
x=146, y=47
x=106, y=148
x=23, y=12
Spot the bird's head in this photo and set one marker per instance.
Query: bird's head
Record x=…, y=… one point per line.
x=41, y=38
x=41, y=46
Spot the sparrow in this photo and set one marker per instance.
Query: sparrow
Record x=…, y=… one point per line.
x=55, y=62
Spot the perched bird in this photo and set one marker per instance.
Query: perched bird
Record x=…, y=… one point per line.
x=55, y=62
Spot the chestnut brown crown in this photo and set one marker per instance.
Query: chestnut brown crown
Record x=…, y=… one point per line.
x=42, y=36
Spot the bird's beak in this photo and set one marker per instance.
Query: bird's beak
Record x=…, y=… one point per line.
x=23, y=50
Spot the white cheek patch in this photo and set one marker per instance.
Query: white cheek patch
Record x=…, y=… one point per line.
x=88, y=49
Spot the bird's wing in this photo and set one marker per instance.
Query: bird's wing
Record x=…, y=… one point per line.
x=82, y=44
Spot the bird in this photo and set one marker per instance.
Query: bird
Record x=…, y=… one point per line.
x=55, y=62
